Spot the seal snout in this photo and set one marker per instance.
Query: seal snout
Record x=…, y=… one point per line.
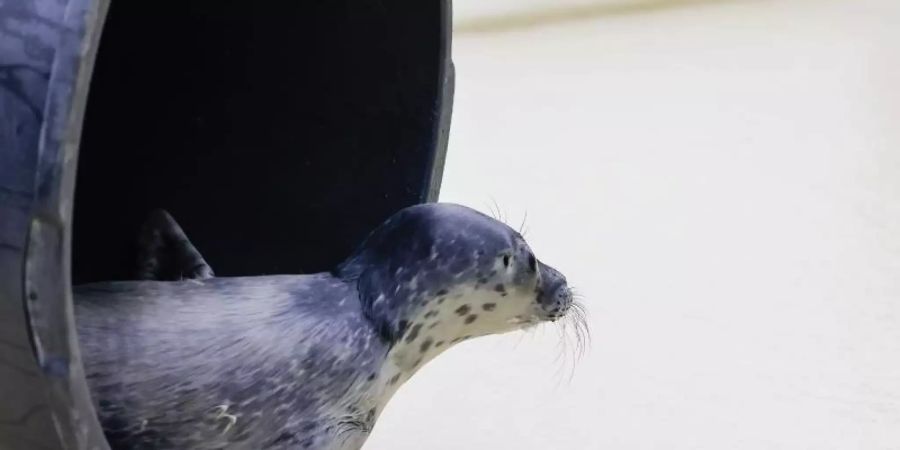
x=554, y=295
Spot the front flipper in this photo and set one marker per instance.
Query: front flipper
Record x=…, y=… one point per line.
x=166, y=254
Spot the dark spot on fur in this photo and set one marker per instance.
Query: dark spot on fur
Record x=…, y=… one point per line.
x=471, y=318
x=500, y=288
x=284, y=438
x=441, y=300
x=413, y=333
x=463, y=310
x=442, y=292
x=426, y=344
x=430, y=327
x=482, y=280
x=394, y=379
x=455, y=340
x=371, y=376
x=370, y=416
x=489, y=306
x=438, y=344
x=402, y=326
x=416, y=364
x=430, y=314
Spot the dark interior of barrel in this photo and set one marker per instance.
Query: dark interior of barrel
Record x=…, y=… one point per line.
x=276, y=134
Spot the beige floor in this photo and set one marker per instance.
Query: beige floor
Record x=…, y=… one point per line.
x=722, y=182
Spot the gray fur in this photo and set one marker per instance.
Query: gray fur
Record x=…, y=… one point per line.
x=304, y=361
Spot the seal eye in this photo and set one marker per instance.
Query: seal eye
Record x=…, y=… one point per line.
x=505, y=260
x=532, y=263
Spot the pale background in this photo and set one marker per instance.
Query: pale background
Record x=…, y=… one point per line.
x=721, y=180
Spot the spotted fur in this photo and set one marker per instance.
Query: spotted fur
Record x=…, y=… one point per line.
x=304, y=361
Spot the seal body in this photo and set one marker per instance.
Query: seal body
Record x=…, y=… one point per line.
x=304, y=361
x=227, y=362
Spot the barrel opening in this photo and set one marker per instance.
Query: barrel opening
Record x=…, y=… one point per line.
x=277, y=134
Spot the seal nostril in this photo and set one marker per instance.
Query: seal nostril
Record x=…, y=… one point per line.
x=562, y=298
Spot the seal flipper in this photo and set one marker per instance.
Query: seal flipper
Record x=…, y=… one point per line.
x=166, y=254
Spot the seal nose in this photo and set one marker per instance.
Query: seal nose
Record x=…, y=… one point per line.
x=554, y=294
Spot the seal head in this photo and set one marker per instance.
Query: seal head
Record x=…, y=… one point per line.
x=442, y=273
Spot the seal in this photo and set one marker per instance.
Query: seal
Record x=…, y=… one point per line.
x=305, y=361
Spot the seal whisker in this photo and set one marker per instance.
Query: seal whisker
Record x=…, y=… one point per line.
x=584, y=327
x=522, y=230
x=494, y=210
x=562, y=356
x=499, y=212
x=573, y=326
x=577, y=348
x=578, y=317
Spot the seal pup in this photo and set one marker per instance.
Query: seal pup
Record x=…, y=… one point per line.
x=305, y=361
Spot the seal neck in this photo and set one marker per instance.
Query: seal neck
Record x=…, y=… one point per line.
x=387, y=290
